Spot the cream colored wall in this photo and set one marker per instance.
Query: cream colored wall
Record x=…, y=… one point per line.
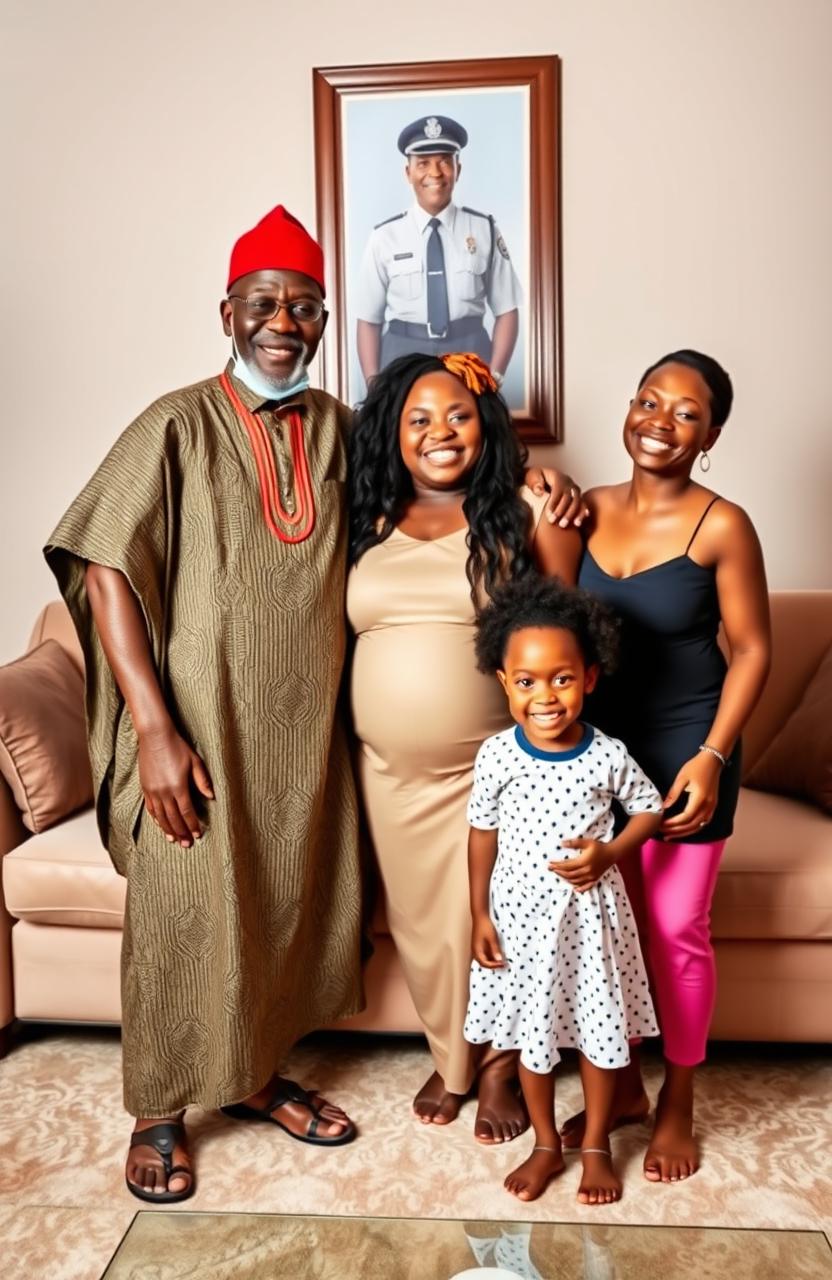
x=697, y=208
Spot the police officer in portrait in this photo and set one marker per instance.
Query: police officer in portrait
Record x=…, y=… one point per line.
x=428, y=274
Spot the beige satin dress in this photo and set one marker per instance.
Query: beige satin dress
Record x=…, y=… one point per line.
x=421, y=711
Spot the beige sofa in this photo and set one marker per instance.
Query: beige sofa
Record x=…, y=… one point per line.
x=60, y=931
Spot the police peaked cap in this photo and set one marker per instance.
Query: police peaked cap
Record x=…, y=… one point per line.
x=432, y=135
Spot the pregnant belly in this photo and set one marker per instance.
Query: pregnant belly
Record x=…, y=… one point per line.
x=418, y=699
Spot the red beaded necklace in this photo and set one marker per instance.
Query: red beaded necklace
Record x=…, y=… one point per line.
x=261, y=447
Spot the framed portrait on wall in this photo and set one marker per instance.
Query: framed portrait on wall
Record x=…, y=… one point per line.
x=438, y=211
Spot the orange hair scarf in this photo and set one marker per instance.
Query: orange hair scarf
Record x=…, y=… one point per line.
x=471, y=370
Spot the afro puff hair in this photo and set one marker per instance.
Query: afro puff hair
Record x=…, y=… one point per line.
x=545, y=602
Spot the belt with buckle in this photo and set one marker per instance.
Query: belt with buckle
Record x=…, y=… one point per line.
x=423, y=332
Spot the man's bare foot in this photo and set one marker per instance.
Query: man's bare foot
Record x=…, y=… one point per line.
x=333, y=1122
x=501, y=1113
x=530, y=1179
x=600, y=1184
x=145, y=1168
x=673, y=1153
x=434, y=1105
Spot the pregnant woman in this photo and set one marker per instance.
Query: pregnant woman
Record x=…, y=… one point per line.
x=674, y=560
x=438, y=518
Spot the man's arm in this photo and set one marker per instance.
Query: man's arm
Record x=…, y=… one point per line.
x=504, y=340
x=504, y=295
x=370, y=305
x=166, y=762
x=368, y=342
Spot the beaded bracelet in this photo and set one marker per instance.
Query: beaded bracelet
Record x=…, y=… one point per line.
x=706, y=746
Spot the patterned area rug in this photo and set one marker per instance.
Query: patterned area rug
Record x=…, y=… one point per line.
x=763, y=1118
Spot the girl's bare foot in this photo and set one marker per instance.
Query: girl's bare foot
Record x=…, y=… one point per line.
x=673, y=1153
x=434, y=1105
x=600, y=1184
x=530, y=1179
x=573, y=1130
x=501, y=1113
x=630, y=1106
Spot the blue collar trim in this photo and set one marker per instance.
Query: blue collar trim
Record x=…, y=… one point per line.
x=555, y=756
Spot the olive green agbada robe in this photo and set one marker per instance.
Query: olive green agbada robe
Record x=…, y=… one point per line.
x=236, y=947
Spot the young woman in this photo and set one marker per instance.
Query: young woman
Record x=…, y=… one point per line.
x=438, y=519
x=675, y=560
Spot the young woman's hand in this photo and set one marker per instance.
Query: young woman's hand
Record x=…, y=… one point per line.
x=699, y=777
x=583, y=872
x=485, y=945
x=565, y=504
x=167, y=769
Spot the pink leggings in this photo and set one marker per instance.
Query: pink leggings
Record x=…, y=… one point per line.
x=671, y=887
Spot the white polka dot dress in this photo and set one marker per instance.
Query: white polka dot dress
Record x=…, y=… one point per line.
x=574, y=977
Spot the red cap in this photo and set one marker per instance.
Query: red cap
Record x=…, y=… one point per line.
x=278, y=242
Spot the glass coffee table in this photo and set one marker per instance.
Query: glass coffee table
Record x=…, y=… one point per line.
x=252, y=1246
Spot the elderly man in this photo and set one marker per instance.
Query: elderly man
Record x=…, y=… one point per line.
x=204, y=568
x=428, y=274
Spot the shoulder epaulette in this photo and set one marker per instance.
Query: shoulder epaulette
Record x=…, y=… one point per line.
x=394, y=218
x=476, y=213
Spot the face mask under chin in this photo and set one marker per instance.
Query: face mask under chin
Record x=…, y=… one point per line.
x=262, y=386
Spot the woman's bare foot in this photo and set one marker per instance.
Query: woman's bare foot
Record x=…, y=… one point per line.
x=296, y=1116
x=501, y=1111
x=145, y=1168
x=530, y=1179
x=673, y=1153
x=434, y=1105
x=630, y=1106
x=600, y=1184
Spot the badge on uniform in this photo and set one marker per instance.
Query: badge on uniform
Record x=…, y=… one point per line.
x=501, y=245
x=470, y=244
x=433, y=128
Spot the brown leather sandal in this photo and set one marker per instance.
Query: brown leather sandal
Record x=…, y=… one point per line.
x=288, y=1091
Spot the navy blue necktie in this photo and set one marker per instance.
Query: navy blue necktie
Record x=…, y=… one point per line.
x=437, y=286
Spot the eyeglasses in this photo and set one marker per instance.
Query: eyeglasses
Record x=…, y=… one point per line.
x=260, y=306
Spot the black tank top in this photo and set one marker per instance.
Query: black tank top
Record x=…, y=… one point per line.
x=663, y=698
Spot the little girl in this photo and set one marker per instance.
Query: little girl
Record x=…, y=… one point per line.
x=556, y=954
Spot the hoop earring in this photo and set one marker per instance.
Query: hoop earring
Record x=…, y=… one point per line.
x=704, y=461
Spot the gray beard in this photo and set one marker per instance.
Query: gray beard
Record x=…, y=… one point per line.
x=279, y=383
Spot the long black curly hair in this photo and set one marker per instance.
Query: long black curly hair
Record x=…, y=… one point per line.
x=380, y=485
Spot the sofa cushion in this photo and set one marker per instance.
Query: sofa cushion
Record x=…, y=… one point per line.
x=54, y=622
x=43, y=742
x=776, y=875
x=799, y=760
x=64, y=876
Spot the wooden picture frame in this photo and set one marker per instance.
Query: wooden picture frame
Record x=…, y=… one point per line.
x=356, y=155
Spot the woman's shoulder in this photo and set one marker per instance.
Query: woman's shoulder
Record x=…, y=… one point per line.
x=556, y=551
x=603, y=496
x=722, y=511
x=723, y=523
x=536, y=502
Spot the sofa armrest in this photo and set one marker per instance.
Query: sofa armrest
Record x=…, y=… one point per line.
x=12, y=833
